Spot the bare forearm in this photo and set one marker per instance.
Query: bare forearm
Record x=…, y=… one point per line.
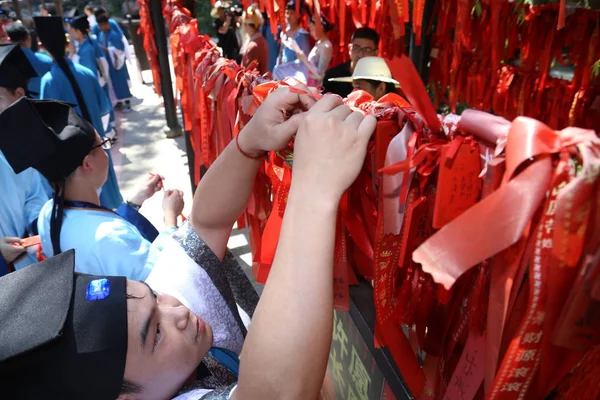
x=293, y=321
x=222, y=196
x=223, y=29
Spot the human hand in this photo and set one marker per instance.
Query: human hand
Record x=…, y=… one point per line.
x=172, y=206
x=11, y=248
x=330, y=148
x=152, y=184
x=270, y=129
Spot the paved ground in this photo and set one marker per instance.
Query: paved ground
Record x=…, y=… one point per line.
x=142, y=148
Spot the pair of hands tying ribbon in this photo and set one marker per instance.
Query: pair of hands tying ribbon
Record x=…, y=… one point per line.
x=330, y=140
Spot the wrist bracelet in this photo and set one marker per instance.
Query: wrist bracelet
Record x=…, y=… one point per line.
x=237, y=143
x=133, y=205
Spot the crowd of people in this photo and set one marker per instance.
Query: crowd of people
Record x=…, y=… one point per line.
x=98, y=303
x=242, y=36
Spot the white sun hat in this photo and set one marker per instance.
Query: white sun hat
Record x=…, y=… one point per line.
x=371, y=68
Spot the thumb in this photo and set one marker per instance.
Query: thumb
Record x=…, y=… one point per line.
x=367, y=127
x=287, y=129
x=12, y=240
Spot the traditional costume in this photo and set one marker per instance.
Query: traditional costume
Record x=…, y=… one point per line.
x=42, y=64
x=109, y=243
x=90, y=55
x=113, y=26
x=77, y=85
x=217, y=291
x=74, y=339
x=23, y=195
x=113, y=41
x=63, y=335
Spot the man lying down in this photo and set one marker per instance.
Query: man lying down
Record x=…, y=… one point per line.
x=66, y=335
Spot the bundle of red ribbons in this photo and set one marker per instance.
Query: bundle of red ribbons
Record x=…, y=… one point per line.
x=509, y=58
x=480, y=236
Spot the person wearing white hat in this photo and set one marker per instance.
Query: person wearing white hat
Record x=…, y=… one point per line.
x=372, y=75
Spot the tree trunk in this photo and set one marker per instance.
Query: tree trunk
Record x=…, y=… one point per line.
x=59, y=7
x=17, y=9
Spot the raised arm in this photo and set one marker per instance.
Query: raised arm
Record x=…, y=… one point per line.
x=285, y=353
x=318, y=70
x=225, y=189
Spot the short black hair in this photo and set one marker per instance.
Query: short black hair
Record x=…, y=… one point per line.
x=102, y=19
x=17, y=32
x=51, y=8
x=366, y=33
x=98, y=11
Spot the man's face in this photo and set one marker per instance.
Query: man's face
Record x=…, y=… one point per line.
x=7, y=97
x=75, y=34
x=166, y=342
x=360, y=48
x=104, y=27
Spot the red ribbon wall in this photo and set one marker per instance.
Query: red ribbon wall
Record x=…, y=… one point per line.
x=480, y=235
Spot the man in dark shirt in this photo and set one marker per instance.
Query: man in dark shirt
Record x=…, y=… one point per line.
x=224, y=24
x=365, y=42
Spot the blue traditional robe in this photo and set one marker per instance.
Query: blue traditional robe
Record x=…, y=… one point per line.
x=90, y=55
x=56, y=86
x=119, y=76
x=21, y=199
x=42, y=64
x=105, y=242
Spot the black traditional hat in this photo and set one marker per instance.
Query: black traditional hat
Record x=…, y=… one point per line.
x=51, y=33
x=63, y=334
x=80, y=22
x=46, y=135
x=15, y=68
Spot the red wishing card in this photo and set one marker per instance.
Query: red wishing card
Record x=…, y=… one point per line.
x=458, y=185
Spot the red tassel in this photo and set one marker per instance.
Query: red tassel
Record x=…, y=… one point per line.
x=562, y=14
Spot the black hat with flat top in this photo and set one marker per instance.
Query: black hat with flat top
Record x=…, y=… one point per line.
x=15, y=68
x=63, y=334
x=47, y=135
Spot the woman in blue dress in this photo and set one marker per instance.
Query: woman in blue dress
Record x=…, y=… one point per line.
x=90, y=55
x=295, y=38
x=75, y=84
x=112, y=43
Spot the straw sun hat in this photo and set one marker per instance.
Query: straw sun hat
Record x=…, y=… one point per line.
x=370, y=68
x=219, y=4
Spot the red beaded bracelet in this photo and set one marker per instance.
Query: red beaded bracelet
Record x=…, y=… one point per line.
x=237, y=143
